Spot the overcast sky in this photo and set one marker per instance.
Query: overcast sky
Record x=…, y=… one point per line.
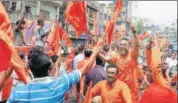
x=159, y=12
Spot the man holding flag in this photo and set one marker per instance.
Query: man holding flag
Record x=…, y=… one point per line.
x=126, y=61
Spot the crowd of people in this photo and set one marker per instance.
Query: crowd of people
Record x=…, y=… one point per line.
x=127, y=72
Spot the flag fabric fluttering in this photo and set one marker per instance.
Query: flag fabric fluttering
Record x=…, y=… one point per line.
x=89, y=93
x=5, y=55
x=76, y=15
x=110, y=25
x=6, y=90
x=5, y=24
x=56, y=38
x=8, y=54
x=143, y=36
x=67, y=40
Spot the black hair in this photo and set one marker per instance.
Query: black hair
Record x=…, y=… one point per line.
x=22, y=55
x=87, y=53
x=37, y=49
x=81, y=48
x=39, y=64
x=99, y=61
x=40, y=21
x=22, y=22
x=106, y=48
x=54, y=58
x=112, y=66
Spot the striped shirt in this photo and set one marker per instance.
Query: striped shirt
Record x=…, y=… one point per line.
x=45, y=90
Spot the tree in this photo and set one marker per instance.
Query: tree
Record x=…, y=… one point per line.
x=140, y=26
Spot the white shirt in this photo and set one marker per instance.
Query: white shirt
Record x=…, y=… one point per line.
x=62, y=70
x=171, y=62
x=78, y=58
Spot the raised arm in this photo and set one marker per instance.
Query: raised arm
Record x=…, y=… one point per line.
x=92, y=58
x=105, y=58
x=148, y=57
x=156, y=63
x=135, y=44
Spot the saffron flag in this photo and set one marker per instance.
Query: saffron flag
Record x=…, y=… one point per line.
x=7, y=52
x=110, y=25
x=67, y=40
x=89, y=93
x=76, y=15
x=6, y=90
x=143, y=36
x=5, y=55
x=57, y=37
x=5, y=24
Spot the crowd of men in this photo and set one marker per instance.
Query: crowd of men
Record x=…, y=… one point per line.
x=96, y=73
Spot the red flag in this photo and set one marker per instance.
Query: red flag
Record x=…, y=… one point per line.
x=66, y=38
x=7, y=51
x=5, y=55
x=59, y=31
x=76, y=16
x=89, y=32
x=6, y=90
x=143, y=36
x=109, y=30
x=5, y=24
x=110, y=26
x=57, y=37
x=89, y=93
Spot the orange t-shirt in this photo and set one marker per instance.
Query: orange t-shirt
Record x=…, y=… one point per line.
x=119, y=93
x=128, y=72
x=159, y=91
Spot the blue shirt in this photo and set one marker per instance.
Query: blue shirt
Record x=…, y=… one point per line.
x=45, y=90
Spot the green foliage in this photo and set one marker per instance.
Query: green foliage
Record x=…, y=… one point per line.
x=140, y=26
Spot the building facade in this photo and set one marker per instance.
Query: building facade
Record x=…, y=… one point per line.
x=171, y=34
x=123, y=18
x=48, y=10
x=92, y=12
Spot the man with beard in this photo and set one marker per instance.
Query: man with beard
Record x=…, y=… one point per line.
x=112, y=90
x=126, y=61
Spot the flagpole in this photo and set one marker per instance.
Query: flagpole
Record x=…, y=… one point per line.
x=86, y=24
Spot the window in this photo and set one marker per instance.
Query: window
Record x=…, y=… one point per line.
x=44, y=14
x=90, y=14
x=13, y=7
x=90, y=26
x=105, y=17
x=28, y=9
